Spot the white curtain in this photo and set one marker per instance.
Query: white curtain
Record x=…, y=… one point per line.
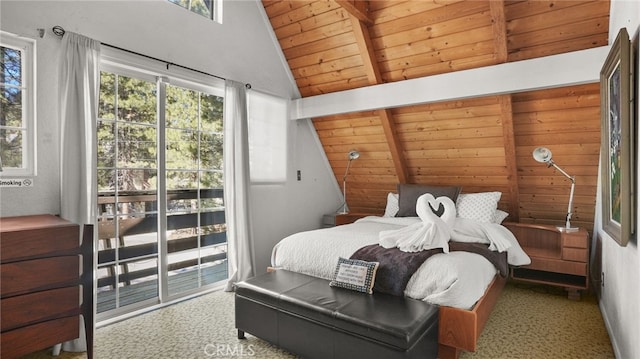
x=79, y=87
x=236, y=183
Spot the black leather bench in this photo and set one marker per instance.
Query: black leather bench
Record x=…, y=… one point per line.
x=307, y=317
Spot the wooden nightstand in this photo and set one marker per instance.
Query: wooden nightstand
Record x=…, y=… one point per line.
x=557, y=257
x=350, y=217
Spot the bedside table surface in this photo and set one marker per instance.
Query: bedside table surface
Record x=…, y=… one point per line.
x=346, y=218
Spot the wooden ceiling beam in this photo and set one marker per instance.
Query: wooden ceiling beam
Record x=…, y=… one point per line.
x=499, y=28
x=357, y=8
x=372, y=70
x=395, y=146
x=363, y=39
x=510, y=156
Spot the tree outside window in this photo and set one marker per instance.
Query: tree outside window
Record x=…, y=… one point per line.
x=16, y=101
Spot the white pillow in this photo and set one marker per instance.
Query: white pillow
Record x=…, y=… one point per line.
x=478, y=206
x=392, y=205
x=499, y=216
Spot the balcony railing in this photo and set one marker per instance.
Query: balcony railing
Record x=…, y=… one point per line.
x=128, y=244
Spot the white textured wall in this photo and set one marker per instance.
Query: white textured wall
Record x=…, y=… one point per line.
x=241, y=49
x=620, y=303
x=44, y=196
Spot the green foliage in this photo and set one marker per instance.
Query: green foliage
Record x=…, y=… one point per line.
x=127, y=136
x=11, y=135
x=200, y=7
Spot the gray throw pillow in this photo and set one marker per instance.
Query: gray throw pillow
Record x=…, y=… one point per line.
x=408, y=196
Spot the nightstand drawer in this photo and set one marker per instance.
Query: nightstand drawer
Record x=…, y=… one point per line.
x=558, y=266
x=575, y=241
x=575, y=254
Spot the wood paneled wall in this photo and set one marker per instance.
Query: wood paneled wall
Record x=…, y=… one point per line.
x=482, y=144
x=567, y=121
x=324, y=47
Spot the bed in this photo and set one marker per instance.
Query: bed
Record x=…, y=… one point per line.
x=464, y=285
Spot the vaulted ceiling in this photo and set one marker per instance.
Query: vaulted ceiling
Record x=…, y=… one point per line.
x=482, y=144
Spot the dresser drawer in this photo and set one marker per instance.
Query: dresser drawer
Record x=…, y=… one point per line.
x=39, y=243
x=18, y=342
x=39, y=274
x=38, y=307
x=44, y=269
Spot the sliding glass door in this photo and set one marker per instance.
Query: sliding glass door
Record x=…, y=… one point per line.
x=161, y=222
x=196, y=230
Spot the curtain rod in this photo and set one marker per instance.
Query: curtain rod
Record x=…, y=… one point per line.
x=60, y=31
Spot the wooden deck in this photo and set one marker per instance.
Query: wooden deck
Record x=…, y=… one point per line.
x=129, y=258
x=179, y=282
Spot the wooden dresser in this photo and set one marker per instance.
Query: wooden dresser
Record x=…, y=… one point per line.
x=43, y=289
x=557, y=257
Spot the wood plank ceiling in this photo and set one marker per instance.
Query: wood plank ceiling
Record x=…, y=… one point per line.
x=482, y=144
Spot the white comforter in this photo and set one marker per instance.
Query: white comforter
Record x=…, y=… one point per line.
x=456, y=279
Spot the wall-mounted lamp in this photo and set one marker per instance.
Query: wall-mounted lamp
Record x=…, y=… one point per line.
x=353, y=155
x=543, y=154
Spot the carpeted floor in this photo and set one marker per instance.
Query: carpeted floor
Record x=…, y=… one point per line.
x=528, y=322
x=532, y=321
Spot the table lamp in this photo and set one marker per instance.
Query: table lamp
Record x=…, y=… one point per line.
x=543, y=154
x=353, y=155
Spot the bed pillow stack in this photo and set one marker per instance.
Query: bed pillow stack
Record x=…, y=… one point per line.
x=481, y=206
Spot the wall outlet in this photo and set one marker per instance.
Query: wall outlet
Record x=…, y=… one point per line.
x=602, y=279
x=299, y=175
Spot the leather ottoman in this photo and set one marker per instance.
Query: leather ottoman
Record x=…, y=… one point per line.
x=305, y=316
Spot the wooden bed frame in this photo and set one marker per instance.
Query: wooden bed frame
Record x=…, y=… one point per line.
x=459, y=329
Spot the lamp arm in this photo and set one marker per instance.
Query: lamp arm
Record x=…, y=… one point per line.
x=569, y=209
x=344, y=188
x=573, y=180
x=344, y=178
x=573, y=184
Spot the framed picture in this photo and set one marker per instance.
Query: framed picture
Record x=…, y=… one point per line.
x=617, y=143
